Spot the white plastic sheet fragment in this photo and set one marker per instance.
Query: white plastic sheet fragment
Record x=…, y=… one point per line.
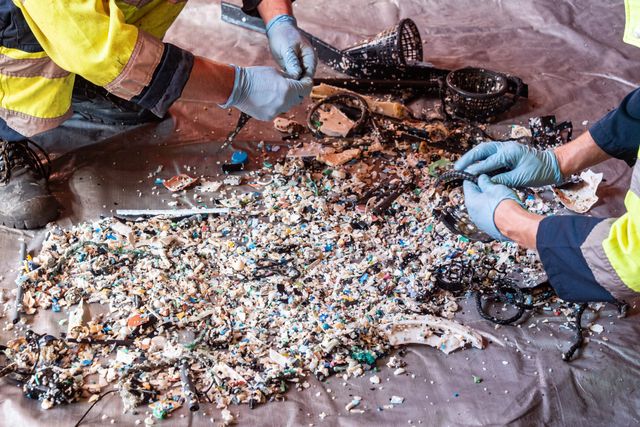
x=581, y=196
x=280, y=359
x=446, y=335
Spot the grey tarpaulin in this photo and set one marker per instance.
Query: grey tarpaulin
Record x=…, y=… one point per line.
x=572, y=56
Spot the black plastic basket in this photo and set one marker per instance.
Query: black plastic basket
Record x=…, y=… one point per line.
x=479, y=94
x=397, y=46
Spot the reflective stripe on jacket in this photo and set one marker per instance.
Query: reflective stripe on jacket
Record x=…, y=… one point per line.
x=112, y=43
x=598, y=259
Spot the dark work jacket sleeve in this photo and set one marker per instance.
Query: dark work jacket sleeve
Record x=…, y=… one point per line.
x=559, y=241
x=618, y=133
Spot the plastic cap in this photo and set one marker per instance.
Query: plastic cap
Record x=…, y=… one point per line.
x=239, y=157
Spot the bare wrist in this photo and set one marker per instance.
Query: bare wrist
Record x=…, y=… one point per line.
x=516, y=223
x=579, y=154
x=269, y=9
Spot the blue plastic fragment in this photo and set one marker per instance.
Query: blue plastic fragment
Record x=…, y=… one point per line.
x=239, y=157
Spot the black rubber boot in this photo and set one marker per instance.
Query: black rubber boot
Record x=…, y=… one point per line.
x=96, y=104
x=25, y=200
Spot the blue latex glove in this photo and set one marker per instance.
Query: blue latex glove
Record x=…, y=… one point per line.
x=263, y=93
x=291, y=50
x=527, y=166
x=482, y=200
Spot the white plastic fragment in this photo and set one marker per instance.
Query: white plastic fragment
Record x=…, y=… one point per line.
x=597, y=328
x=232, y=180
x=227, y=416
x=122, y=229
x=170, y=213
x=399, y=371
x=518, y=131
x=125, y=356
x=209, y=186
x=396, y=400
x=581, y=196
x=354, y=402
x=279, y=358
x=288, y=126
x=78, y=318
x=425, y=330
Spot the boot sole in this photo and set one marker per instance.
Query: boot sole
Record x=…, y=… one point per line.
x=37, y=221
x=26, y=225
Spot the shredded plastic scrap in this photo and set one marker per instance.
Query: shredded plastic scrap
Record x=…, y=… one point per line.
x=300, y=278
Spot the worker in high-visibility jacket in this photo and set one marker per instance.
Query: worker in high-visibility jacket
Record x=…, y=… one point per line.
x=112, y=52
x=585, y=258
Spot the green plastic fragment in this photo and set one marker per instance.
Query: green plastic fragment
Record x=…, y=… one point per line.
x=463, y=239
x=364, y=356
x=477, y=379
x=160, y=413
x=438, y=164
x=311, y=183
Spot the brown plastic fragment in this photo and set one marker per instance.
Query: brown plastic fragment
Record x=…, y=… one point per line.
x=338, y=159
x=179, y=182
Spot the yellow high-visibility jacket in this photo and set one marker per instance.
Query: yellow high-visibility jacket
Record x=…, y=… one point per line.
x=116, y=44
x=112, y=43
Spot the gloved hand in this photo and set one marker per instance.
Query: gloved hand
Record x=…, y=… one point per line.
x=263, y=93
x=291, y=50
x=528, y=166
x=482, y=200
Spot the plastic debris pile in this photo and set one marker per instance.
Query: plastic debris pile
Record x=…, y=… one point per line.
x=303, y=277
